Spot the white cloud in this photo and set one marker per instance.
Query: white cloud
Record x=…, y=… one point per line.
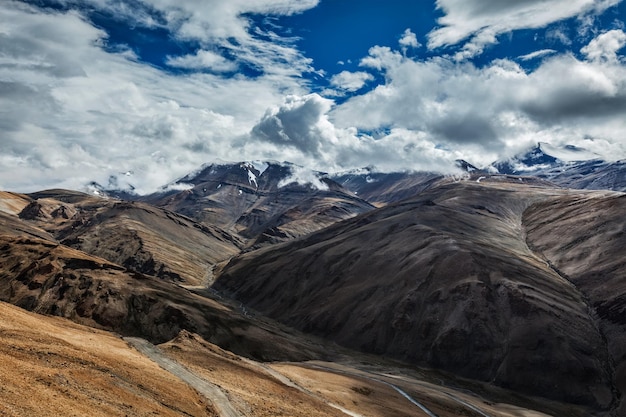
x=219, y=24
x=223, y=23
x=350, y=81
x=73, y=113
x=499, y=108
x=408, y=40
x=537, y=54
x=301, y=131
x=605, y=46
x=303, y=176
x=300, y=122
x=202, y=60
x=479, y=22
x=558, y=35
x=381, y=58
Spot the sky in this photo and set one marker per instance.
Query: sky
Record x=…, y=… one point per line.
x=143, y=92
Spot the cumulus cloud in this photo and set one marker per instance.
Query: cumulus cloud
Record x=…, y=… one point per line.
x=350, y=81
x=408, y=40
x=300, y=122
x=381, y=58
x=301, y=130
x=605, y=46
x=570, y=92
x=73, y=113
x=493, y=110
x=479, y=22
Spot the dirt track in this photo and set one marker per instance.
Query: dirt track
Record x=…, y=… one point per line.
x=211, y=392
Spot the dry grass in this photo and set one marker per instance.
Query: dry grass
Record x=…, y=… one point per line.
x=53, y=367
x=250, y=387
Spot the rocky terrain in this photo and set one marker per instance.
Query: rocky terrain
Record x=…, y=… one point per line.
x=131, y=234
x=476, y=294
x=263, y=207
x=52, y=366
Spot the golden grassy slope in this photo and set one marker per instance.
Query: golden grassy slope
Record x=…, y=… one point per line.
x=53, y=367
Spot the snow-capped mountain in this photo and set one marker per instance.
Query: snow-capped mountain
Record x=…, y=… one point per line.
x=567, y=166
x=261, y=201
x=118, y=185
x=542, y=157
x=384, y=188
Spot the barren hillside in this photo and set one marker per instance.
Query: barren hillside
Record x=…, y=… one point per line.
x=446, y=279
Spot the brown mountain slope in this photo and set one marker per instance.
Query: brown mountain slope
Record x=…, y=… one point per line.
x=583, y=238
x=444, y=279
x=381, y=189
x=135, y=235
x=263, y=207
x=49, y=278
x=53, y=367
x=13, y=203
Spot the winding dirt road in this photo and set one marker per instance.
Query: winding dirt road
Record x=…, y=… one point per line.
x=210, y=391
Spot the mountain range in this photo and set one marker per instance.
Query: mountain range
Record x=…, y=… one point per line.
x=495, y=291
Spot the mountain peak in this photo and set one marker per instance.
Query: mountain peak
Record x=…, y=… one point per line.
x=541, y=157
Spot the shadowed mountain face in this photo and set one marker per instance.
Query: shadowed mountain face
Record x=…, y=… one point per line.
x=447, y=279
x=263, y=206
x=583, y=239
x=590, y=175
x=137, y=236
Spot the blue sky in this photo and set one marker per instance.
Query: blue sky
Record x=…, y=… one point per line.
x=145, y=91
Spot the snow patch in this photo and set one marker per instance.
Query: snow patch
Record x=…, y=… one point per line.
x=249, y=166
x=252, y=179
x=480, y=179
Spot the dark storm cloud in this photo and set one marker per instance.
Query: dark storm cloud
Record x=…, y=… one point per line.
x=576, y=105
x=296, y=123
x=466, y=128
